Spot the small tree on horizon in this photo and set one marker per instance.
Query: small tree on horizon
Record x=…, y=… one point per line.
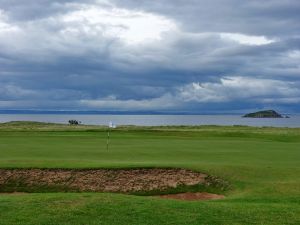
x=74, y=122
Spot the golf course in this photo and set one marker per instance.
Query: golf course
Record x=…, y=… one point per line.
x=260, y=169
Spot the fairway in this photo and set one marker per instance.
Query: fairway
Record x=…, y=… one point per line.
x=262, y=166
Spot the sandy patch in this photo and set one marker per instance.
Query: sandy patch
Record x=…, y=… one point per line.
x=101, y=180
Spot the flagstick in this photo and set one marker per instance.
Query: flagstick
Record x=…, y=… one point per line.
x=107, y=140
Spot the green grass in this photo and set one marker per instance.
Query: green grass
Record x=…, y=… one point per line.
x=262, y=165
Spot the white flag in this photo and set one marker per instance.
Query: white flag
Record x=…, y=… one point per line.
x=112, y=125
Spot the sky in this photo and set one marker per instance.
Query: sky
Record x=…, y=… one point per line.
x=196, y=56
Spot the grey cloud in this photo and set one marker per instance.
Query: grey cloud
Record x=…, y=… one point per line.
x=20, y=11
x=75, y=63
x=271, y=17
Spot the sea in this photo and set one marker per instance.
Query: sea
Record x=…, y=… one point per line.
x=156, y=120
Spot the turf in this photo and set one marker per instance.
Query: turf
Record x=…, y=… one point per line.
x=262, y=165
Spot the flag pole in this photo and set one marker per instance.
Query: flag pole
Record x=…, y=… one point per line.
x=107, y=140
x=110, y=125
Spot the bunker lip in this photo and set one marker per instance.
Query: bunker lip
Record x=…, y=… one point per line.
x=190, y=196
x=140, y=181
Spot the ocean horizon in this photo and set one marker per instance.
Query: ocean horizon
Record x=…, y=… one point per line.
x=155, y=119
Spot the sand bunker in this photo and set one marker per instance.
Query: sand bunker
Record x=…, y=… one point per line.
x=106, y=180
x=103, y=180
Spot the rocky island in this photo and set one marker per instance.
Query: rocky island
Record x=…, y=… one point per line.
x=264, y=114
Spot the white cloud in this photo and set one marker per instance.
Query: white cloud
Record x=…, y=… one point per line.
x=101, y=29
x=228, y=89
x=164, y=102
x=247, y=39
x=132, y=26
x=6, y=27
x=237, y=87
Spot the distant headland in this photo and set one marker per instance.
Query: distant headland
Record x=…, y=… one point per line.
x=265, y=114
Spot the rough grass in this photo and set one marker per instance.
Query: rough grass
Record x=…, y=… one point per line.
x=262, y=165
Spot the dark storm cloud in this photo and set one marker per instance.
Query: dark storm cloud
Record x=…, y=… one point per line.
x=198, y=55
